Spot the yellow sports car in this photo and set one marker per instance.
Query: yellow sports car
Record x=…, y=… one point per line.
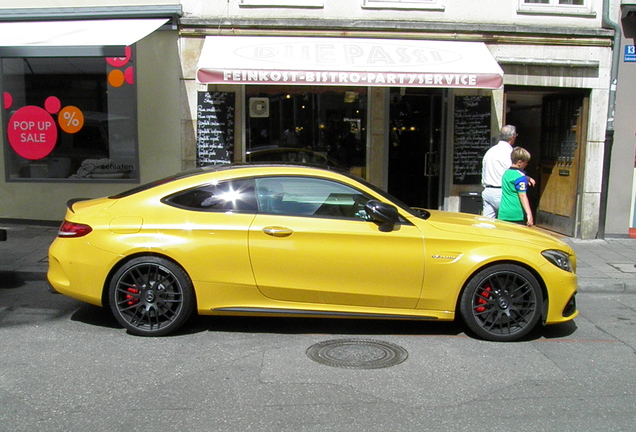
x=302, y=241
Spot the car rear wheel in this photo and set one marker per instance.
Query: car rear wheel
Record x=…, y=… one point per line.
x=502, y=303
x=151, y=296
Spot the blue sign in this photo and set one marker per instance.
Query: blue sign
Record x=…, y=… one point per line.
x=630, y=53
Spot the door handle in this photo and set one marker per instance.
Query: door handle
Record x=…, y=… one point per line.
x=276, y=231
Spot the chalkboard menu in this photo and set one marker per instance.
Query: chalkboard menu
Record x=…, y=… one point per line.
x=472, y=137
x=215, y=128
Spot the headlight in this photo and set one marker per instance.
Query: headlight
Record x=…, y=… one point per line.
x=559, y=259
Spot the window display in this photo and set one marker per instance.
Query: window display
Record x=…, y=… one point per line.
x=302, y=124
x=70, y=118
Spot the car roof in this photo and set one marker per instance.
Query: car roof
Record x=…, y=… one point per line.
x=230, y=167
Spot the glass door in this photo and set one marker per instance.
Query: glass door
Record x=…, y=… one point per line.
x=415, y=146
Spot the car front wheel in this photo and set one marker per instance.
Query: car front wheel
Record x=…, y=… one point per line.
x=151, y=296
x=502, y=303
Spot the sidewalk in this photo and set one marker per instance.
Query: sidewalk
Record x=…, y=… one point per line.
x=605, y=265
x=602, y=265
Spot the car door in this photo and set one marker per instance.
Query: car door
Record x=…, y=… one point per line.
x=213, y=232
x=313, y=242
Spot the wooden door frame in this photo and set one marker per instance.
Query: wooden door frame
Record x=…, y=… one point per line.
x=566, y=224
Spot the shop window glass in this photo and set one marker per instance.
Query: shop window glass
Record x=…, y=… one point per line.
x=70, y=118
x=555, y=6
x=307, y=125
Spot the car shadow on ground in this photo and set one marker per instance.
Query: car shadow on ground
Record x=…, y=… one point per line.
x=101, y=317
x=10, y=280
x=364, y=327
x=24, y=301
x=95, y=316
x=289, y=325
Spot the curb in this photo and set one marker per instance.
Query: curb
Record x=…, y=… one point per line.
x=607, y=286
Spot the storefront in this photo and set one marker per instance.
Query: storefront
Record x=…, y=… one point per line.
x=412, y=111
x=415, y=116
x=83, y=112
x=375, y=107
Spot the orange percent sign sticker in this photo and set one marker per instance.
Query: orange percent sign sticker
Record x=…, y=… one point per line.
x=70, y=119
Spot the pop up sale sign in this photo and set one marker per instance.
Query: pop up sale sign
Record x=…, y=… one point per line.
x=32, y=132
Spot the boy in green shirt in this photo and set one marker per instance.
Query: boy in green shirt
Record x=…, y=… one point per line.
x=514, y=184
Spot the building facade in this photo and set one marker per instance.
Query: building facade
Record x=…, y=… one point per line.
x=85, y=111
x=621, y=197
x=406, y=93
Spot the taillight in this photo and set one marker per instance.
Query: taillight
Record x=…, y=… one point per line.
x=70, y=229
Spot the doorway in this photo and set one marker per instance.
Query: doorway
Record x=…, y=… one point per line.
x=415, y=166
x=552, y=125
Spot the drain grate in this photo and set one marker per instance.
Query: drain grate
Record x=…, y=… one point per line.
x=357, y=353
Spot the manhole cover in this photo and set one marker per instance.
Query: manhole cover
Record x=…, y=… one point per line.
x=357, y=353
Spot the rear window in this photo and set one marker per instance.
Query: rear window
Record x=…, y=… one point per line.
x=234, y=195
x=150, y=185
x=174, y=177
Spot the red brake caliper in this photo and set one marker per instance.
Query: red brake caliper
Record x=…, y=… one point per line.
x=480, y=301
x=132, y=300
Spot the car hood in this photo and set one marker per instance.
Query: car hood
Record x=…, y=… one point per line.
x=494, y=229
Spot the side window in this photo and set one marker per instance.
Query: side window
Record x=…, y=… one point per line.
x=306, y=196
x=237, y=195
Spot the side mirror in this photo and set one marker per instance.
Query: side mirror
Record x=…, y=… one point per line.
x=386, y=214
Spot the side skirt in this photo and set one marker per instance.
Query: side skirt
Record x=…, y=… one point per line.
x=297, y=312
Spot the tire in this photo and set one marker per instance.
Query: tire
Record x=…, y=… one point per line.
x=502, y=303
x=151, y=296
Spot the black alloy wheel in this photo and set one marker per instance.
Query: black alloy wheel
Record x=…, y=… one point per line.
x=151, y=296
x=502, y=303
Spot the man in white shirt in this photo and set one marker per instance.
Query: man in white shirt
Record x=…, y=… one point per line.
x=496, y=161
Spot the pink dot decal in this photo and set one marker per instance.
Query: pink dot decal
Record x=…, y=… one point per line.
x=32, y=132
x=52, y=104
x=8, y=100
x=120, y=61
x=129, y=75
